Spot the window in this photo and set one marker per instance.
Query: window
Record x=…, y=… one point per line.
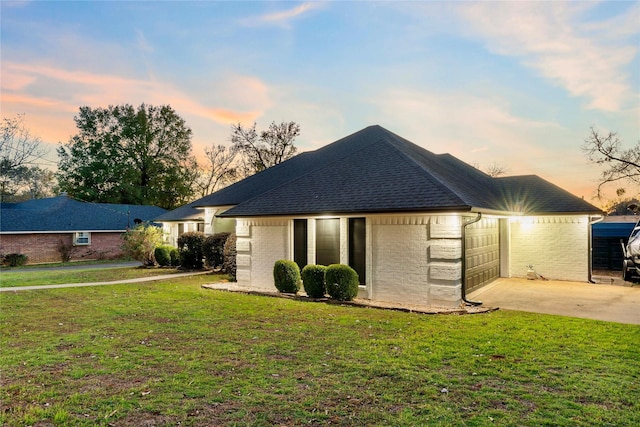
x=327, y=241
x=300, y=242
x=81, y=238
x=201, y=227
x=357, y=247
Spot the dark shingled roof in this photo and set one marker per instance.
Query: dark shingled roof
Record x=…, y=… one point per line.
x=186, y=212
x=63, y=213
x=377, y=171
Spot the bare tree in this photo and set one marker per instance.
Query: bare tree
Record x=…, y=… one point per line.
x=621, y=164
x=219, y=171
x=19, y=153
x=271, y=147
x=494, y=170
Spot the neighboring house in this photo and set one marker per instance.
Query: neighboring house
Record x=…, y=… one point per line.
x=189, y=218
x=607, y=235
x=418, y=227
x=38, y=227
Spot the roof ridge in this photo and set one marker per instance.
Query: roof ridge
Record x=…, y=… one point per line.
x=423, y=168
x=314, y=170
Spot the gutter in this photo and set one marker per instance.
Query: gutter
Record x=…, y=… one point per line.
x=590, y=243
x=463, y=288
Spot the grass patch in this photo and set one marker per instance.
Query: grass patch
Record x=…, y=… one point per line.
x=171, y=353
x=35, y=277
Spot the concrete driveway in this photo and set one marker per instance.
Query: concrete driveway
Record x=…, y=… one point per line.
x=612, y=303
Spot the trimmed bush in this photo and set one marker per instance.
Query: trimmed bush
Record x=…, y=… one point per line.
x=174, y=254
x=229, y=263
x=342, y=282
x=190, y=247
x=162, y=254
x=15, y=260
x=313, y=280
x=213, y=249
x=286, y=275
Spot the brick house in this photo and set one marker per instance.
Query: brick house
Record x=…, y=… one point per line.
x=37, y=227
x=418, y=227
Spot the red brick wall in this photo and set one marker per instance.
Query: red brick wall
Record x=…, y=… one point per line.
x=43, y=247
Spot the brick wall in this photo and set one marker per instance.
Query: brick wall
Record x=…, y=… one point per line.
x=416, y=260
x=557, y=247
x=42, y=247
x=260, y=244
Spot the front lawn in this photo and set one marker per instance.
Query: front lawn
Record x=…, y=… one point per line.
x=36, y=277
x=170, y=353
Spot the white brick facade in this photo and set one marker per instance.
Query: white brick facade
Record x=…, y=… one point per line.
x=418, y=259
x=557, y=247
x=260, y=244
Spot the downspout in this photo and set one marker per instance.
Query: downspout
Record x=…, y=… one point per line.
x=464, y=259
x=590, y=263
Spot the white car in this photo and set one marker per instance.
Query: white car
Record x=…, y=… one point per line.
x=631, y=252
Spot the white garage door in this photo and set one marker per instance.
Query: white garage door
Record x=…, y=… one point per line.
x=482, y=253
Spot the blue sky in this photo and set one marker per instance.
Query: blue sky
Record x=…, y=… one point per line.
x=516, y=84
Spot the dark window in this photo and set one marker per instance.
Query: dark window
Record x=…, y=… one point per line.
x=201, y=226
x=357, y=247
x=300, y=242
x=180, y=229
x=327, y=241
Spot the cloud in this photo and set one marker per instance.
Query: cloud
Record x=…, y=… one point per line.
x=476, y=129
x=284, y=17
x=587, y=59
x=93, y=89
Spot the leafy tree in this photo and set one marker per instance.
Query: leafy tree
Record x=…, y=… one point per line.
x=126, y=155
x=219, y=170
x=621, y=164
x=140, y=243
x=19, y=153
x=621, y=205
x=271, y=147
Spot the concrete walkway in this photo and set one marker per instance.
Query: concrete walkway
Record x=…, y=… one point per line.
x=115, y=282
x=575, y=299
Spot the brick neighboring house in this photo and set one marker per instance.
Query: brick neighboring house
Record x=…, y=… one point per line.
x=36, y=227
x=418, y=227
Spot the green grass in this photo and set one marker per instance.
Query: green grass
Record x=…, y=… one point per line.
x=35, y=277
x=171, y=353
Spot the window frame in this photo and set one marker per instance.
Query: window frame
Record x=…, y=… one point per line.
x=79, y=238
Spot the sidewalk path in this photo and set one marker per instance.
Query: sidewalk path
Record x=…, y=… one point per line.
x=115, y=282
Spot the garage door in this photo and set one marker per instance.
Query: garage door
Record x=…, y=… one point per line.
x=482, y=253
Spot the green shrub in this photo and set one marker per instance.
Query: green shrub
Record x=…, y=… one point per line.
x=342, y=282
x=163, y=255
x=286, y=275
x=15, y=260
x=190, y=247
x=229, y=263
x=313, y=280
x=213, y=249
x=140, y=243
x=174, y=254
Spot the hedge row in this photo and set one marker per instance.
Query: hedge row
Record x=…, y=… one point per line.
x=339, y=281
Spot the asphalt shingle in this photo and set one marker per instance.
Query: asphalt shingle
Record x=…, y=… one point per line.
x=63, y=213
x=375, y=170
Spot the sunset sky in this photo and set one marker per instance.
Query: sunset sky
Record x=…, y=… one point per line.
x=516, y=84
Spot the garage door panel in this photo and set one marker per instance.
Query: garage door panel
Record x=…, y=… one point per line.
x=482, y=243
